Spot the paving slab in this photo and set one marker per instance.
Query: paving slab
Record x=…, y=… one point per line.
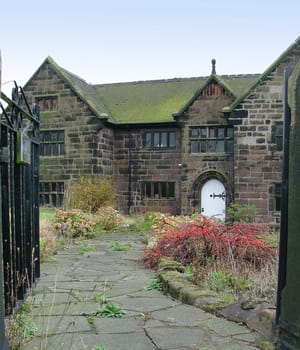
x=63, y=306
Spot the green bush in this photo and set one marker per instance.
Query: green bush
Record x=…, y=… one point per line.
x=89, y=193
x=240, y=212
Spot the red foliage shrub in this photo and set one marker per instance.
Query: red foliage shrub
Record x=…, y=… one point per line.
x=201, y=240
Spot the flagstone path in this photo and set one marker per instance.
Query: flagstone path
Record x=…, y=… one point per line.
x=63, y=304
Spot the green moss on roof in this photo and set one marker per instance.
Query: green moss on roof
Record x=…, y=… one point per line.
x=156, y=101
x=145, y=101
x=150, y=101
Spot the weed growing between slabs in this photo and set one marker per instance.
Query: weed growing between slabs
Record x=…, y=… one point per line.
x=119, y=247
x=154, y=284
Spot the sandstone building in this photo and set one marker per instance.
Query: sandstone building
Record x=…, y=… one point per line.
x=177, y=145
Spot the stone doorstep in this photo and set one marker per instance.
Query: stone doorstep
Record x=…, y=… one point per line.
x=259, y=318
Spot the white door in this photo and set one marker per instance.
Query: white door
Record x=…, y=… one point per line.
x=213, y=199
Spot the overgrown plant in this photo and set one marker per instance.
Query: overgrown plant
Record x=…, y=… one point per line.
x=48, y=239
x=240, y=212
x=202, y=240
x=20, y=327
x=73, y=223
x=221, y=256
x=89, y=193
x=109, y=219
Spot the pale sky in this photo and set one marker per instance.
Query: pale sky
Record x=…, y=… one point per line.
x=118, y=40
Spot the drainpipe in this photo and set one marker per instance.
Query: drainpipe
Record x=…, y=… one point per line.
x=129, y=170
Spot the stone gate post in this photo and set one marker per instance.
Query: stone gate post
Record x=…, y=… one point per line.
x=289, y=321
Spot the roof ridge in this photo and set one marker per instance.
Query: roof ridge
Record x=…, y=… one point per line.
x=172, y=80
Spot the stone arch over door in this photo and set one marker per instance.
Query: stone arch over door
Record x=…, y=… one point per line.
x=211, y=186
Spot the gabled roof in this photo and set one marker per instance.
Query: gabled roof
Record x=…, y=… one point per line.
x=80, y=87
x=156, y=101
x=145, y=102
x=213, y=78
x=264, y=76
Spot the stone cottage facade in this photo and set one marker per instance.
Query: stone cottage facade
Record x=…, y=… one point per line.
x=177, y=145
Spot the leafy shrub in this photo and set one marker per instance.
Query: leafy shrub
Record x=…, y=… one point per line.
x=240, y=212
x=73, y=223
x=89, y=193
x=109, y=219
x=202, y=240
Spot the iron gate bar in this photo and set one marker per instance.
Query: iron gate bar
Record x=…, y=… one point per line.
x=12, y=103
x=20, y=202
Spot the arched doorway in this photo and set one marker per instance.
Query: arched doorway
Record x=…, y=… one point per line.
x=213, y=199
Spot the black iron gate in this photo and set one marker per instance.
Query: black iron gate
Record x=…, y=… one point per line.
x=19, y=159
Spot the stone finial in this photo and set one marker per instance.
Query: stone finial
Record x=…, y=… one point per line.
x=213, y=62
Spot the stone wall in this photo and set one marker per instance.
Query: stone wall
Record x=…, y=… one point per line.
x=203, y=111
x=258, y=166
x=87, y=150
x=134, y=164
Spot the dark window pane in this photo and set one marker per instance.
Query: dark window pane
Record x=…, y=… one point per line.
x=211, y=146
x=60, y=199
x=156, y=141
x=212, y=132
x=164, y=193
x=156, y=189
x=53, y=199
x=61, y=149
x=148, y=139
x=194, y=147
x=220, y=146
x=46, y=199
x=230, y=132
x=164, y=139
x=47, y=149
x=172, y=139
x=229, y=146
x=203, y=132
x=54, y=149
x=47, y=136
x=171, y=190
x=202, y=146
x=194, y=132
x=221, y=133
